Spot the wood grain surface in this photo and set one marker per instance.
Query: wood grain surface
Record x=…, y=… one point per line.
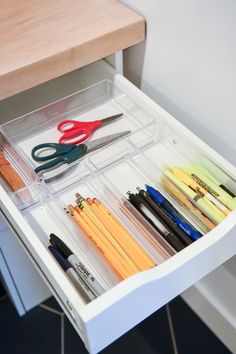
x=41, y=40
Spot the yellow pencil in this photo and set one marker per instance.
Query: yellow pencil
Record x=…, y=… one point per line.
x=93, y=217
x=132, y=248
x=103, y=239
x=100, y=244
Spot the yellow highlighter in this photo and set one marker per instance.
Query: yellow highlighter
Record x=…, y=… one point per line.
x=196, y=198
x=190, y=182
x=210, y=186
x=181, y=197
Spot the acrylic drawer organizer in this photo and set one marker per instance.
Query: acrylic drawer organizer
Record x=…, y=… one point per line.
x=108, y=174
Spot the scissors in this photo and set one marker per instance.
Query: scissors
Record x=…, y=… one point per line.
x=72, y=129
x=66, y=154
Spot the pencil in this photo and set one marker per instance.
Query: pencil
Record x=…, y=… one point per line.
x=131, y=267
x=102, y=246
x=171, y=188
x=132, y=248
x=103, y=239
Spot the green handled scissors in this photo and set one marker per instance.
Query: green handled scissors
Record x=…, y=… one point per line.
x=62, y=153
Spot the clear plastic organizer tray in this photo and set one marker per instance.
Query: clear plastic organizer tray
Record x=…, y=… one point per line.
x=108, y=173
x=110, y=182
x=99, y=101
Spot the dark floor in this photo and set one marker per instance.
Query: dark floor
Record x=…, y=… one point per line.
x=174, y=329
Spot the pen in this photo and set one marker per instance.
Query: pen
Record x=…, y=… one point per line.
x=172, y=212
x=76, y=263
x=197, y=187
x=168, y=221
x=196, y=198
x=147, y=212
x=181, y=197
x=210, y=186
x=74, y=277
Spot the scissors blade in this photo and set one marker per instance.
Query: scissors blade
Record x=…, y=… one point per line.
x=110, y=119
x=99, y=143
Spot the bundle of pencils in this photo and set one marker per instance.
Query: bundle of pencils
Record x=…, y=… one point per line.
x=119, y=248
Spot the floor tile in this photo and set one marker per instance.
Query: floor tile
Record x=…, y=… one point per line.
x=192, y=335
x=2, y=290
x=53, y=304
x=38, y=332
x=132, y=342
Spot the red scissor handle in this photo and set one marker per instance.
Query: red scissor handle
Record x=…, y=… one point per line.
x=71, y=129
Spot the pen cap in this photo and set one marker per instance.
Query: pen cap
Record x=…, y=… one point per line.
x=59, y=258
x=154, y=193
x=60, y=245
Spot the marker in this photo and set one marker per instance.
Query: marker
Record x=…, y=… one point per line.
x=198, y=187
x=172, y=212
x=170, y=224
x=74, y=277
x=216, y=190
x=213, y=179
x=196, y=198
x=181, y=197
x=76, y=263
x=147, y=212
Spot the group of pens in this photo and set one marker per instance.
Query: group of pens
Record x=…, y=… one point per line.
x=200, y=194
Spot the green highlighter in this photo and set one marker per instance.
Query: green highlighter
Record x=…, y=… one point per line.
x=211, y=185
x=197, y=199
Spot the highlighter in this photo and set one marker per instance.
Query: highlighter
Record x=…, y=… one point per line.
x=184, y=201
x=190, y=182
x=210, y=186
x=214, y=179
x=195, y=197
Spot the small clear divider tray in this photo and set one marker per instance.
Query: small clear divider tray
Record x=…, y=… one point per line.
x=98, y=101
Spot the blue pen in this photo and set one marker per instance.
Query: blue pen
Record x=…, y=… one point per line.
x=170, y=210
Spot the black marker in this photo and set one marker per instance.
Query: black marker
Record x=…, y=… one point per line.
x=80, y=268
x=74, y=277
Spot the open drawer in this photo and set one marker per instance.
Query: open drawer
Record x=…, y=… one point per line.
x=156, y=138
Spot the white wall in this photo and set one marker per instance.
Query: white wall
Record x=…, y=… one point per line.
x=188, y=65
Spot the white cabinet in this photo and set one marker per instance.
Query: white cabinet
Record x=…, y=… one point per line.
x=156, y=138
x=23, y=283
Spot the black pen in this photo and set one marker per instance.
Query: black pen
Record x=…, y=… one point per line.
x=148, y=214
x=168, y=221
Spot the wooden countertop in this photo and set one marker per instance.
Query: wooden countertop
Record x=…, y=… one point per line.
x=43, y=39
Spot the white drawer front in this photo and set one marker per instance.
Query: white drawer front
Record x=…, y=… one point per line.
x=124, y=305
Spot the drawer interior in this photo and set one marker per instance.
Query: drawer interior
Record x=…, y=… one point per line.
x=107, y=174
